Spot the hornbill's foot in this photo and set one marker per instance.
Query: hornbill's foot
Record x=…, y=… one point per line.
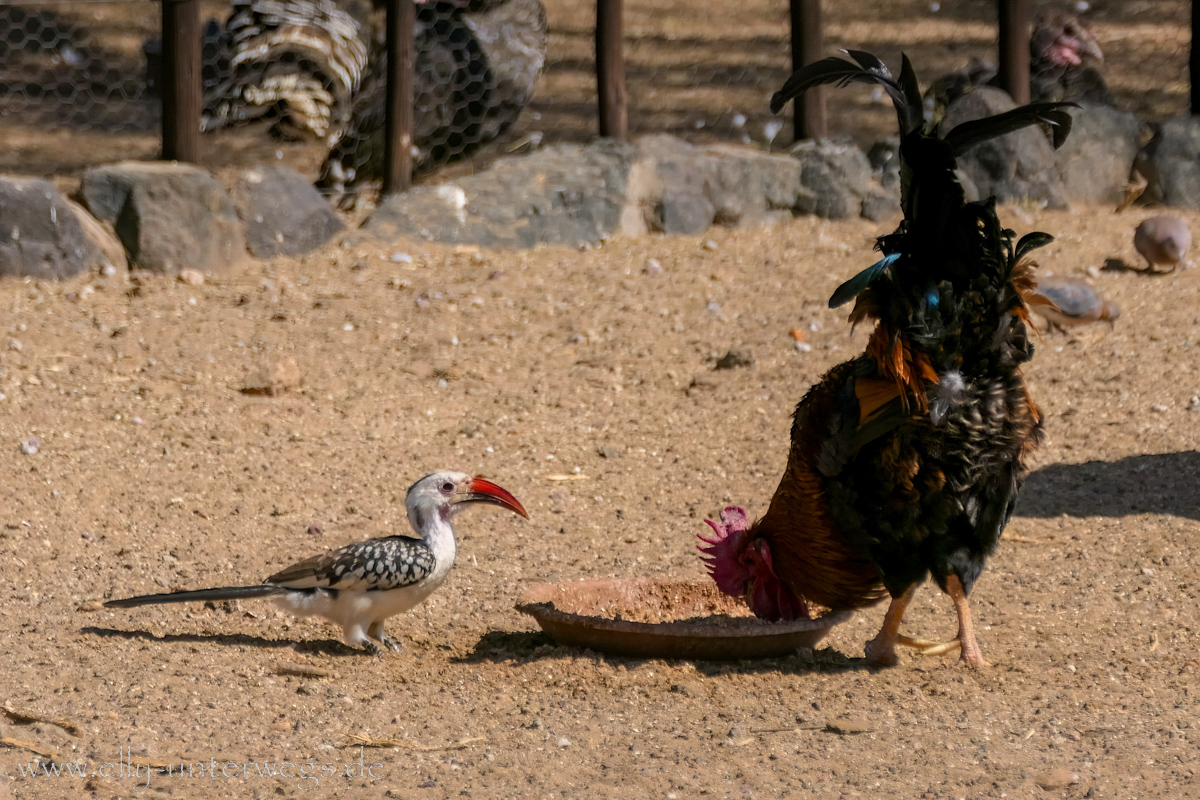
x=374, y=649
x=391, y=644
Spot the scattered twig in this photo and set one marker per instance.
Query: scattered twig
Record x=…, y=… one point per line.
x=407, y=744
x=575, y=477
x=303, y=671
x=22, y=718
x=6, y=741
x=1013, y=537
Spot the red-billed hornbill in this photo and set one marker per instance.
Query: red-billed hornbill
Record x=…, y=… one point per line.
x=360, y=585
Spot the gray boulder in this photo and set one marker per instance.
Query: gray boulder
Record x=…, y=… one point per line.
x=836, y=182
x=283, y=213
x=1170, y=163
x=1016, y=166
x=721, y=184
x=564, y=194
x=168, y=216
x=1096, y=160
x=40, y=234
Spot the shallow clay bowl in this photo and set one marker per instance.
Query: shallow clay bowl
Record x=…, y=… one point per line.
x=648, y=618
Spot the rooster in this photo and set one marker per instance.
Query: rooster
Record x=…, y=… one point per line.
x=906, y=460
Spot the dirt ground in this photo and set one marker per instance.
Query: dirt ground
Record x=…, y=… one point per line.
x=153, y=471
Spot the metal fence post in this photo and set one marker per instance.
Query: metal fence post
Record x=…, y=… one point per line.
x=181, y=80
x=1014, y=49
x=808, y=111
x=610, y=69
x=398, y=138
x=1194, y=59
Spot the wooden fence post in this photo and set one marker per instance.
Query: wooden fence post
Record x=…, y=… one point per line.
x=1014, y=49
x=181, y=80
x=398, y=135
x=808, y=112
x=610, y=69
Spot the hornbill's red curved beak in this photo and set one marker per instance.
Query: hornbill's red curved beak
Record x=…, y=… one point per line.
x=481, y=490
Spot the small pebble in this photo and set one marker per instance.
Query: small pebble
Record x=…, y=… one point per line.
x=564, y=741
x=313, y=530
x=802, y=347
x=192, y=277
x=402, y=258
x=14, y=344
x=1158, y=408
x=652, y=267
x=710, y=245
x=1194, y=403
x=31, y=446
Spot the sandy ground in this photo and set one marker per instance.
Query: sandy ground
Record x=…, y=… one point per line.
x=154, y=472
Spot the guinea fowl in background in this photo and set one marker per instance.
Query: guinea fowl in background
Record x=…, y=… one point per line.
x=476, y=68
x=906, y=460
x=297, y=63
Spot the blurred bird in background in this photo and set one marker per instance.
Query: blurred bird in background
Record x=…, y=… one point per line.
x=316, y=69
x=477, y=66
x=1064, y=66
x=907, y=460
x=1163, y=240
x=1069, y=304
x=296, y=63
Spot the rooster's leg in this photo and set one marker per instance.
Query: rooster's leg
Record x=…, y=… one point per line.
x=881, y=651
x=971, y=655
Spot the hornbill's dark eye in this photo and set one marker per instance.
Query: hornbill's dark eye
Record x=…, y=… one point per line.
x=448, y=487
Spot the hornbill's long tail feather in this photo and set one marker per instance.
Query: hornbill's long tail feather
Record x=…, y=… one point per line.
x=223, y=593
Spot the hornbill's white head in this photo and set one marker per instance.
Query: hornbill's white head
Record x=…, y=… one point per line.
x=442, y=494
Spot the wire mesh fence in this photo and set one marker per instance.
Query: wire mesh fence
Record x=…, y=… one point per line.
x=300, y=80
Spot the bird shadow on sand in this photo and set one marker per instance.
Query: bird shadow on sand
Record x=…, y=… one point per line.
x=331, y=647
x=525, y=647
x=1166, y=483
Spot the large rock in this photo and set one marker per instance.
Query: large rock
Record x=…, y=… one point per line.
x=168, y=216
x=1170, y=163
x=568, y=194
x=283, y=213
x=727, y=185
x=40, y=234
x=1096, y=160
x=1016, y=166
x=564, y=194
x=836, y=182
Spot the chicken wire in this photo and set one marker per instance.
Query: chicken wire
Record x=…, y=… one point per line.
x=706, y=71
x=80, y=80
